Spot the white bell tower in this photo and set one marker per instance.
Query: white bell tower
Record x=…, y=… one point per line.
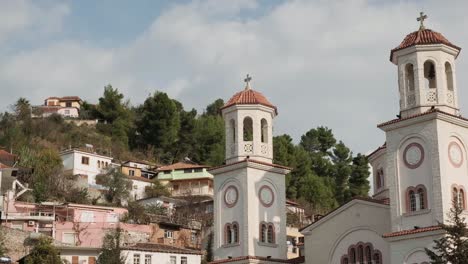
x=248, y=119
x=249, y=190
x=426, y=72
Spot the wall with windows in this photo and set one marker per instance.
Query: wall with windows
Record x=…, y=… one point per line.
x=86, y=163
x=148, y=257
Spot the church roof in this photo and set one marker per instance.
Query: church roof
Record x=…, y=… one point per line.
x=423, y=37
x=412, y=231
x=248, y=97
x=297, y=260
x=431, y=111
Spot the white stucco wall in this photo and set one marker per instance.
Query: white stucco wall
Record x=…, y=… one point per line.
x=327, y=240
x=72, y=161
x=138, y=189
x=159, y=257
x=249, y=212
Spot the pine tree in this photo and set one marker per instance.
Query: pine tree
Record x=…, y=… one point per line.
x=453, y=246
x=342, y=158
x=358, y=181
x=209, y=248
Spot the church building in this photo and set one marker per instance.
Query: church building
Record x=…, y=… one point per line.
x=249, y=191
x=417, y=173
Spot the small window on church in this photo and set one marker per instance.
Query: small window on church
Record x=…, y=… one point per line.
x=377, y=258
x=461, y=199
x=422, y=199
x=248, y=129
x=409, y=77
x=263, y=231
x=361, y=254
x=232, y=128
x=345, y=261
x=227, y=234
x=235, y=233
x=264, y=125
x=271, y=234
x=368, y=255
x=449, y=76
x=412, y=200
x=430, y=75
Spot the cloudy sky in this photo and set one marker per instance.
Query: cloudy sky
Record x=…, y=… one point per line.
x=321, y=62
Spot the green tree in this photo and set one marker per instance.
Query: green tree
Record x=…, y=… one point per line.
x=214, y=109
x=47, y=166
x=117, y=117
x=318, y=143
x=209, y=248
x=117, y=185
x=156, y=189
x=186, y=141
x=136, y=214
x=159, y=125
x=44, y=252
x=358, y=181
x=452, y=247
x=210, y=145
x=111, y=252
x=342, y=158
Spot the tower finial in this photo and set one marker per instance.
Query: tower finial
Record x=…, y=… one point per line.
x=247, y=82
x=421, y=19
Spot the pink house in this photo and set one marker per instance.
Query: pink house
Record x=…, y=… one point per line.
x=74, y=224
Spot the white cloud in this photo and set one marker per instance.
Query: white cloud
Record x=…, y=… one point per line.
x=320, y=62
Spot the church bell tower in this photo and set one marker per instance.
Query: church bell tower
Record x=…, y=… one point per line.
x=250, y=196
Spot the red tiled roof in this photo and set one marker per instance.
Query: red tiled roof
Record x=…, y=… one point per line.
x=423, y=37
x=70, y=98
x=154, y=247
x=418, y=115
x=290, y=261
x=7, y=156
x=181, y=165
x=247, y=97
x=254, y=161
x=49, y=108
x=384, y=146
x=412, y=231
x=3, y=166
x=136, y=178
x=291, y=202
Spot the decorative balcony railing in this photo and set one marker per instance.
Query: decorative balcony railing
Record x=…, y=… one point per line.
x=37, y=216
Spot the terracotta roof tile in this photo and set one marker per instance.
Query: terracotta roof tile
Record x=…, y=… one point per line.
x=290, y=261
x=384, y=146
x=181, y=165
x=70, y=98
x=418, y=115
x=412, y=231
x=249, y=96
x=7, y=156
x=423, y=37
x=154, y=247
x=3, y=166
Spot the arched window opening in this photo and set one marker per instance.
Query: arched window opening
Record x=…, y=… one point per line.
x=409, y=81
x=264, y=135
x=352, y=255
x=461, y=199
x=99, y=164
x=248, y=129
x=232, y=129
x=228, y=234
x=345, y=261
x=270, y=234
x=449, y=76
x=412, y=199
x=361, y=254
x=235, y=233
x=455, y=196
x=263, y=231
x=422, y=197
x=430, y=75
x=368, y=255
x=377, y=258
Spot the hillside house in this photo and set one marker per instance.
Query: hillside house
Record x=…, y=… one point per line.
x=85, y=162
x=186, y=179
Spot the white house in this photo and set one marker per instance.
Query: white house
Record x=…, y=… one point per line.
x=152, y=253
x=418, y=172
x=84, y=162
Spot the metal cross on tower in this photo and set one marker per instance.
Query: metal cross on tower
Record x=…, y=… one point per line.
x=421, y=19
x=247, y=81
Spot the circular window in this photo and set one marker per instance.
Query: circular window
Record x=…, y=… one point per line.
x=455, y=154
x=266, y=195
x=231, y=194
x=413, y=155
